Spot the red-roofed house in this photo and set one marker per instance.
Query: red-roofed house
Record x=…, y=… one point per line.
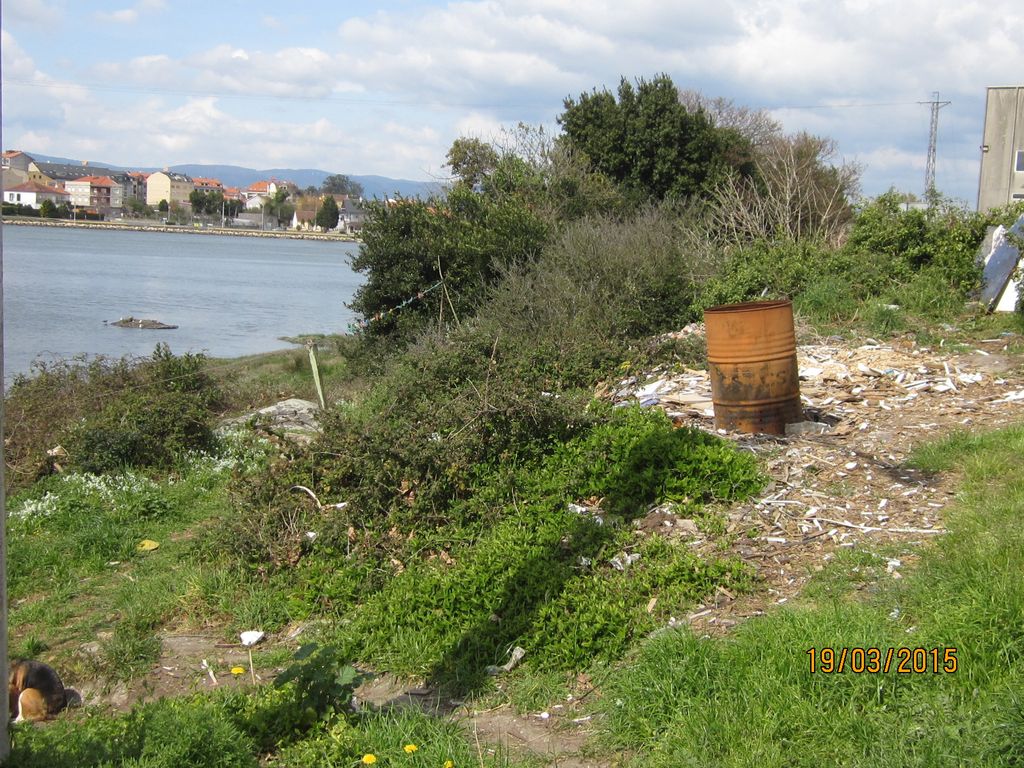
x=33, y=193
x=207, y=185
x=137, y=185
x=260, y=189
x=101, y=193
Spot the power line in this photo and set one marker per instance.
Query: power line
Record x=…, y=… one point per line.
x=369, y=100
x=853, y=105
x=310, y=98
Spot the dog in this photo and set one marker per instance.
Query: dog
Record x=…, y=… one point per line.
x=34, y=691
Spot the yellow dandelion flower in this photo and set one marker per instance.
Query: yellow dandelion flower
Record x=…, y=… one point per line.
x=449, y=764
x=369, y=759
x=410, y=748
x=238, y=670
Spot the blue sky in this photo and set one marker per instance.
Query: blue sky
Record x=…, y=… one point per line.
x=385, y=87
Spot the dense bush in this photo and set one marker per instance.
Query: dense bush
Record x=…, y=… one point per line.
x=20, y=209
x=108, y=414
x=165, y=411
x=537, y=574
x=922, y=261
x=516, y=378
x=411, y=246
x=941, y=236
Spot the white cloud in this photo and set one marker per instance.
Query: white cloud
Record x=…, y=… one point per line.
x=393, y=88
x=31, y=11
x=479, y=126
x=889, y=158
x=123, y=16
x=31, y=97
x=131, y=15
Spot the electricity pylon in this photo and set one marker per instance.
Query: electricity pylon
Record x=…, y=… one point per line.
x=933, y=135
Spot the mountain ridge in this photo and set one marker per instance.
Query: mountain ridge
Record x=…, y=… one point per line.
x=374, y=186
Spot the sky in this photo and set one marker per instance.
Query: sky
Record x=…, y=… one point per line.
x=385, y=86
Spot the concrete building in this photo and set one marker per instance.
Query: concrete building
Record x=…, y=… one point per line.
x=1002, y=148
x=203, y=184
x=33, y=193
x=100, y=193
x=14, y=167
x=170, y=186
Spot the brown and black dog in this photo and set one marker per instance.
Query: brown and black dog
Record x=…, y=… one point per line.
x=35, y=691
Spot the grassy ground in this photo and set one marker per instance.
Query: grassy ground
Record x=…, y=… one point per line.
x=524, y=568
x=257, y=380
x=754, y=699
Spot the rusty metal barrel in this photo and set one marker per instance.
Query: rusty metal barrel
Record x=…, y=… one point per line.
x=755, y=383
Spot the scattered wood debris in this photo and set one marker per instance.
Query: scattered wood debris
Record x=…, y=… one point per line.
x=839, y=479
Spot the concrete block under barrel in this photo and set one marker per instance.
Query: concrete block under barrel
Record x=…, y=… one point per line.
x=755, y=381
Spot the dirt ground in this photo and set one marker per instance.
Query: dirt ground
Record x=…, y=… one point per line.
x=839, y=483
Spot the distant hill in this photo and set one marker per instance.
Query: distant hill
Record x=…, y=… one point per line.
x=237, y=176
x=373, y=186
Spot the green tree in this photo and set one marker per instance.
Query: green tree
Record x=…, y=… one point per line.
x=340, y=184
x=327, y=213
x=546, y=173
x=138, y=208
x=472, y=160
x=277, y=205
x=163, y=206
x=48, y=210
x=649, y=143
x=411, y=245
x=232, y=208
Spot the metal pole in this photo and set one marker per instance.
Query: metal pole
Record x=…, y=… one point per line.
x=5, y=738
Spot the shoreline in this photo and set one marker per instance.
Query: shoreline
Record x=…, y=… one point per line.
x=132, y=227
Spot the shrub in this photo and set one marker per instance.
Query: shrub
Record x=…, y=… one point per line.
x=411, y=246
x=766, y=270
x=536, y=574
x=943, y=237
x=166, y=412
x=108, y=414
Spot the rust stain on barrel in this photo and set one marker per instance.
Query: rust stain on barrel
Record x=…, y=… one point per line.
x=755, y=384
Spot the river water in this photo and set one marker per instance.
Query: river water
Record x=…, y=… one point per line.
x=229, y=296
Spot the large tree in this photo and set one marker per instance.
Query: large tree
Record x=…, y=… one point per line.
x=425, y=260
x=327, y=213
x=472, y=160
x=340, y=184
x=649, y=143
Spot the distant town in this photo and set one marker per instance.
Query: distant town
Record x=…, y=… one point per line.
x=80, y=191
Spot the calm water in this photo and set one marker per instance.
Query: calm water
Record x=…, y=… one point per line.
x=228, y=296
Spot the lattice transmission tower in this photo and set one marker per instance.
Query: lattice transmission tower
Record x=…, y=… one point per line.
x=933, y=136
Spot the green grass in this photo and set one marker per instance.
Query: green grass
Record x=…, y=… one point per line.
x=77, y=576
x=752, y=700
x=234, y=728
x=521, y=567
x=539, y=573
x=255, y=381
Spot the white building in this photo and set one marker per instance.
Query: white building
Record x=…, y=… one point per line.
x=33, y=193
x=1002, y=148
